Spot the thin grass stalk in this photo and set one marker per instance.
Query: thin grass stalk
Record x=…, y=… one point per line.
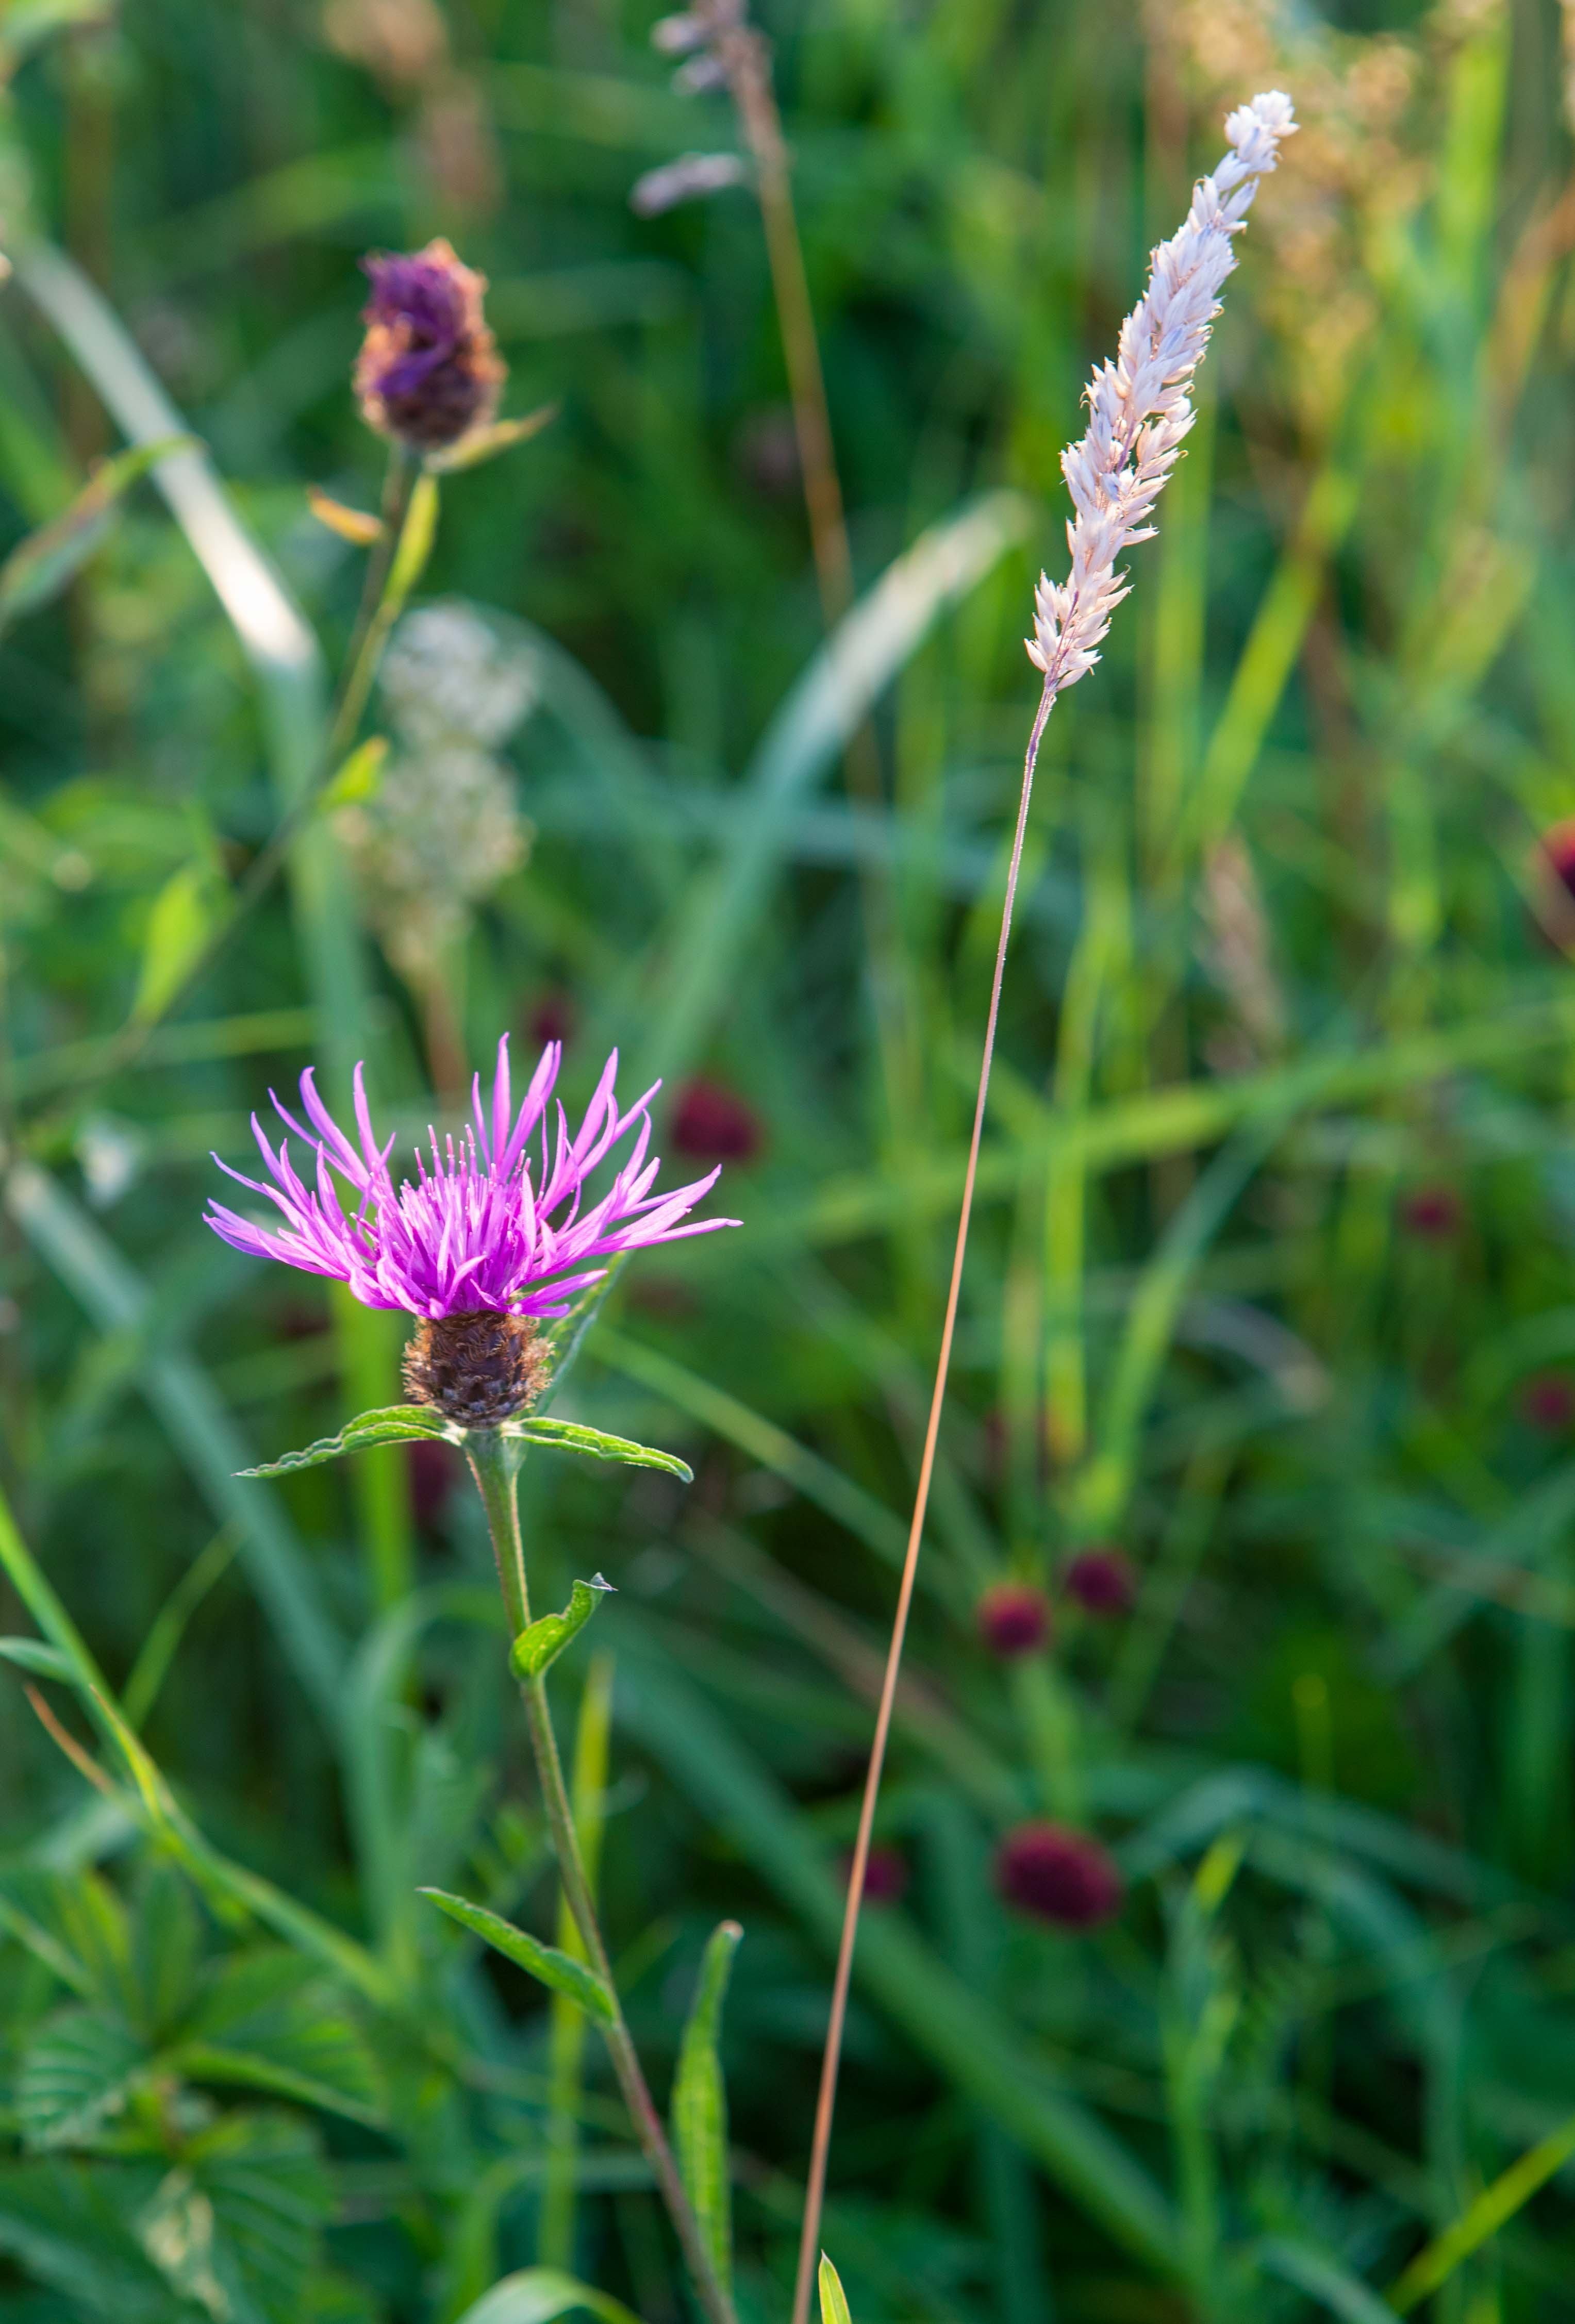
x=555, y=2235
x=1139, y=416
x=825, y=2103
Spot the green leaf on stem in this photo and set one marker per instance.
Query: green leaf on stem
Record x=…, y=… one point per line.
x=417, y=535
x=834, y=2300
x=538, y=2295
x=570, y=1437
x=570, y=1977
x=700, y=2104
x=39, y=567
x=486, y=443
x=33, y=1654
x=536, y=1649
x=397, y=1424
x=359, y=777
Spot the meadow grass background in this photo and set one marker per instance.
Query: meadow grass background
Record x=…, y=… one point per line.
x=1271, y=1277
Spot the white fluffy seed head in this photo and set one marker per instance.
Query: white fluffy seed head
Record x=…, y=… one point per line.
x=1139, y=411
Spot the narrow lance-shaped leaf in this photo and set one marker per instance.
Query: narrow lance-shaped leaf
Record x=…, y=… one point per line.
x=397, y=1424
x=536, y=1649
x=486, y=443
x=358, y=779
x=570, y=1436
x=39, y=567
x=186, y=911
x=570, y=1977
x=700, y=2103
x=834, y=2300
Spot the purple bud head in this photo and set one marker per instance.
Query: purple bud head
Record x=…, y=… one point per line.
x=1552, y=884
x=1013, y=1620
x=1432, y=1214
x=885, y=1875
x=429, y=371
x=1056, y=1874
x=1101, y=1581
x=712, y=1124
x=1547, y=1403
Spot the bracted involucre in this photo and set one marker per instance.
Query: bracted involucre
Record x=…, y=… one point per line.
x=1139, y=411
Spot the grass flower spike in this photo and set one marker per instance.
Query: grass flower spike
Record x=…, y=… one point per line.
x=1139, y=411
x=474, y=1245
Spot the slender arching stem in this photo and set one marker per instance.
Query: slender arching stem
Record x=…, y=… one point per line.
x=831, y=2060
x=494, y=1464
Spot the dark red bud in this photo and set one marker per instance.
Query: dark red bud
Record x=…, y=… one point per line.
x=1013, y=1618
x=712, y=1124
x=1055, y=1874
x=1101, y=1581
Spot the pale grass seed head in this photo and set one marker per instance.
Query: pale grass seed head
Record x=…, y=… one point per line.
x=1139, y=411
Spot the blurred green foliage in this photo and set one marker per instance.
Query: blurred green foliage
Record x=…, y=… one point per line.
x=1270, y=1282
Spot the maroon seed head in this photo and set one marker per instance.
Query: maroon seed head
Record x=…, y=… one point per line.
x=712, y=1124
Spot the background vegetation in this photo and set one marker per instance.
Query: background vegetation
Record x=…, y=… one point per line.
x=1270, y=1284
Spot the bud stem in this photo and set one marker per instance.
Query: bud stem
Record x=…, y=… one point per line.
x=494, y=1463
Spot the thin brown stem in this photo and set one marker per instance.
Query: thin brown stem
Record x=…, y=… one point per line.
x=495, y=1465
x=814, y=2193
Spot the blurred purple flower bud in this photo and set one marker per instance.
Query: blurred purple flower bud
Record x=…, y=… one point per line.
x=712, y=1124
x=1056, y=1874
x=1547, y=1403
x=1434, y=1213
x=1101, y=1581
x=885, y=1875
x=429, y=371
x=691, y=176
x=1013, y=1620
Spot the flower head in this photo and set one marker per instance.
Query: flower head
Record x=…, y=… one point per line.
x=1056, y=1874
x=494, y=1221
x=1547, y=1403
x=1101, y=1581
x=1013, y=1618
x=429, y=371
x=1432, y=1214
x=712, y=1124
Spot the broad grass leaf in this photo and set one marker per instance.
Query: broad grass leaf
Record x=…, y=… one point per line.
x=77, y=2075
x=535, y=2295
x=699, y=2104
x=570, y=1977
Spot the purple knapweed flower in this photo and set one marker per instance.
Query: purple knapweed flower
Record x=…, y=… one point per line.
x=429, y=371
x=470, y=1246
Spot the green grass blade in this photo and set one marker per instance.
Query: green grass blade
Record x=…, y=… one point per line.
x=535, y=2295
x=700, y=2103
x=834, y=2300
x=1493, y=2210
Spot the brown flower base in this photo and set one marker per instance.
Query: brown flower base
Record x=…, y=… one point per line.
x=477, y=1369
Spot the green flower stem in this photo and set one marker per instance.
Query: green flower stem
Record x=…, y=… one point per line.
x=494, y=1463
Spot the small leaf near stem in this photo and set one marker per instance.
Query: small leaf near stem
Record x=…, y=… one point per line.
x=535, y=1650
x=834, y=2300
x=558, y=1971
